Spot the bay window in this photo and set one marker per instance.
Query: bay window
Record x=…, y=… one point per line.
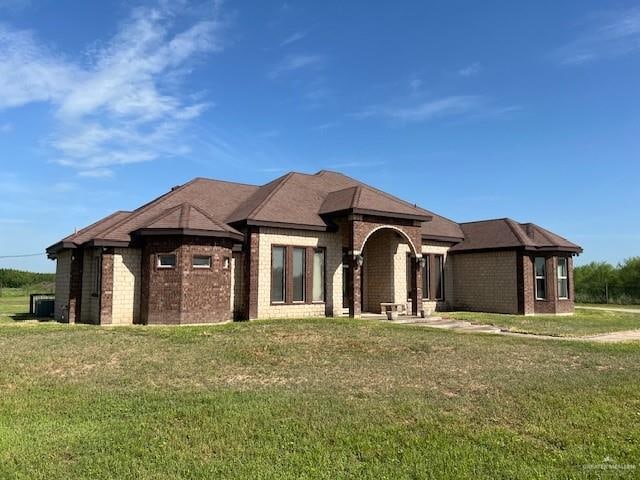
x=563, y=278
x=541, y=278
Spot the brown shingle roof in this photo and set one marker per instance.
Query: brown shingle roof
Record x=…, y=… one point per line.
x=507, y=233
x=362, y=198
x=300, y=201
x=187, y=218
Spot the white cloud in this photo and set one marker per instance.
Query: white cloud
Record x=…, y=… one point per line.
x=470, y=70
x=452, y=107
x=297, y=36
x=292, y=63
x=608, y=35
x=121, y=106
x=443, y=107
x=97, y=173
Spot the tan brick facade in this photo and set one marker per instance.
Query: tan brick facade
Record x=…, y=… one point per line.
x=63, y=278
x=331, y=242
x=485, y=281
x=127, y=273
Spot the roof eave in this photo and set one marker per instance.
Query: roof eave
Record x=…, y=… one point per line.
x=61, y=245
x=294, y=226
x=380, y=213
x=194, y=232
x=442, y=238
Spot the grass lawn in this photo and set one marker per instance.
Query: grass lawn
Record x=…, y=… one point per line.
x=13, y=306
x=583, y=322
x=607, y=305
x=317, y=398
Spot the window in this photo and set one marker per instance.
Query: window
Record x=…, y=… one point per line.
x=439, y=280
x=426, y=281
x=226, y=263
x=541, y=278
x=277, y=274
x=166, y=261
x=299, y=262
x=318, y=276
x=201, y=261
x=563, y=278
x=97, y=276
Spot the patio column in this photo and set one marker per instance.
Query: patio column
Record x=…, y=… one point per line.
x=416, y=288
x=354, y=285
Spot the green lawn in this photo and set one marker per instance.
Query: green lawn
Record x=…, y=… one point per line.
x=13, y=306
x=607, y=305
x=318, y=398
x=583, y=322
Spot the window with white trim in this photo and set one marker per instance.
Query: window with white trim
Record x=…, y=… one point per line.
x=540, y=265
x=201, y=261
x=166, y=261
x=563, y=278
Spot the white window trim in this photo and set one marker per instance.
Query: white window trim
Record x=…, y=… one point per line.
x=540, y=277
x=159, y=265
x=193, y=265
x=563, y=277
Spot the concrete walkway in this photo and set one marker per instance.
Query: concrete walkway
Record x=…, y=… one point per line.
x=611, y=309
x=465, y=326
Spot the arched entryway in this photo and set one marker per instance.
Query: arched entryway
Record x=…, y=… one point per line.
x=388, y=270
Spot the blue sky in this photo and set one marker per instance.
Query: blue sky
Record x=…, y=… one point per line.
x=529, y=110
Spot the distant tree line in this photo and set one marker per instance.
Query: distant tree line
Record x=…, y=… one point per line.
x=601, y=282
x=10, y=278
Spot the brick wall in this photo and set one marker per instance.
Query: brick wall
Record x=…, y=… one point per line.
x=90, y=311
x=552, y=304
x=185, y=294
x=331, y=241
x=127, y=271
x=63, y=278
x=239, y=300
x=485, y=281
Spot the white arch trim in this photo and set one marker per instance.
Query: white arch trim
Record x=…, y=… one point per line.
x=418, y=254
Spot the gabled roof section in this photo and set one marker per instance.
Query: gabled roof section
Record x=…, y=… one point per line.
x=299, y=199
x=506, y=233
x=364, y=199
x=90, y=232
x=187, y=219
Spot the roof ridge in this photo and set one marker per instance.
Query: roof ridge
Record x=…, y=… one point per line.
x=210, y=218
x=382, y=192
x=357, y=192
x=510, y=223
x=143, y=208
x=185, y=210
x=95, y=224
x=226, y=181
x=283, y=179
x=484, y=221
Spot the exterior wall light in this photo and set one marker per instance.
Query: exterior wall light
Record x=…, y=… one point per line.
x=421, y=261
x=359, y=260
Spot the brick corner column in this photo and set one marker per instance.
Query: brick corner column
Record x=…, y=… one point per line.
x=416, y=288
x=253, y=267
x=75, y=287
x=106, y=288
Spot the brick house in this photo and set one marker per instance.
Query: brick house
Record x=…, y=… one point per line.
x=301, y=245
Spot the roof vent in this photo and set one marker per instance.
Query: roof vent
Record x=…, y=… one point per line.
x=175, y=187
